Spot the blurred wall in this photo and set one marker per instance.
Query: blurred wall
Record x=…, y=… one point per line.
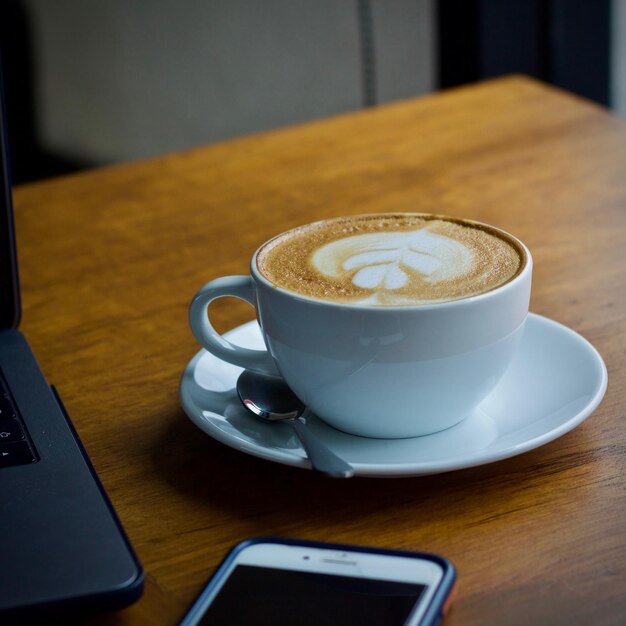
x=618, y=54
x=122, y=79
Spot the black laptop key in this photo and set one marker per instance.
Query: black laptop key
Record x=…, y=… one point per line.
x=18, y=453
x=7, y=410
x=10, y=431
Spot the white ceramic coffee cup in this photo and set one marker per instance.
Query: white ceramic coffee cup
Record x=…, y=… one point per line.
x=388, y=372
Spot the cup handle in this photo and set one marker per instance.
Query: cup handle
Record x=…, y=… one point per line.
x=237, y=287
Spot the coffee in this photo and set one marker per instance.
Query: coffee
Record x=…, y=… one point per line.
x=391, y=259
x=376, y=366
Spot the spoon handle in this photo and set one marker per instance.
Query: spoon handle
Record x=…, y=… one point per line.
x=321, y=457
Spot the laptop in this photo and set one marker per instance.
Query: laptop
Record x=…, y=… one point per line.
x=62, y=547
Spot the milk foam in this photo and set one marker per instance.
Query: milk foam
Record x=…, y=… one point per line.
x=387, y=260
x=390, y=259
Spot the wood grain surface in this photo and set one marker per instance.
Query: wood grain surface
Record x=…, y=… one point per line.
x=110, y=259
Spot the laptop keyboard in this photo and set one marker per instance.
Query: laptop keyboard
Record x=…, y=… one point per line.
x=15, y=445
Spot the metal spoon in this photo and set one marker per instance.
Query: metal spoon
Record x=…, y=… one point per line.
x=270, y=399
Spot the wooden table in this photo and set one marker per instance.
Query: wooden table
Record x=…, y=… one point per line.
x=110, y=259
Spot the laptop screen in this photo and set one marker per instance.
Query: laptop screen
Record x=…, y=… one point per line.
x=9, y=289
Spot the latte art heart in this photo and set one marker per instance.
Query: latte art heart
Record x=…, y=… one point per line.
x=390, y=260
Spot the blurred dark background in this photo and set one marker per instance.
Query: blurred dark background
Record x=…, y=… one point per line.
x=100, y=81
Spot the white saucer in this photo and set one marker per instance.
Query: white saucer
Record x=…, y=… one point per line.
x=555, y=382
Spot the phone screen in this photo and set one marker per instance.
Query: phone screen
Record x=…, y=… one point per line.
x=255, y=595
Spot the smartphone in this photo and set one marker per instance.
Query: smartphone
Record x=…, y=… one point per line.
x=272, y=581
